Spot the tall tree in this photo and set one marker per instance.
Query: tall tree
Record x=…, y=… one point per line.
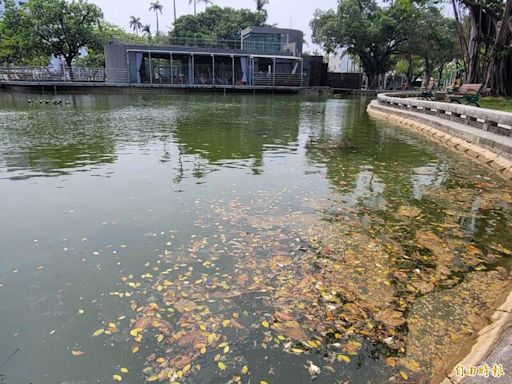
x=62, y=27
x=372, y=33
x=260, y=5
x=198, y=1
x=15, y=47
x=487, y=44
x=174, y=8
x=146, y=31
x=217, y=23
x=156, y=7
x=432, y=39
x=135, y=24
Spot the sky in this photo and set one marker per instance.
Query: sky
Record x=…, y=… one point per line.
x=284, y=13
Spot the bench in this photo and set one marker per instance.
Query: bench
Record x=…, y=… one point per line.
x=469, y=93
x=427, y=93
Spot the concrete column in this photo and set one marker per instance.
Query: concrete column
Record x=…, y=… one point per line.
x=150, y=68
x=172, y=71
x=213, y=69
x=233, y=68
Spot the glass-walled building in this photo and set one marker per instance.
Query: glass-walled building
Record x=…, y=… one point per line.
x=271, y=65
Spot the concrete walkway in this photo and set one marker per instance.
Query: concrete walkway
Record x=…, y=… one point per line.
x=489, y=140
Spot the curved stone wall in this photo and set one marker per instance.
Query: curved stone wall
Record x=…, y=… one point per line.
x=492, y=150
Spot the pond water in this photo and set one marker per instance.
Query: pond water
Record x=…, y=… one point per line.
x=216, y=239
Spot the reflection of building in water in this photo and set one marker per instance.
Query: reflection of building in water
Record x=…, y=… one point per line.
x=73, y=147
x=264, y=57
x=241, y=130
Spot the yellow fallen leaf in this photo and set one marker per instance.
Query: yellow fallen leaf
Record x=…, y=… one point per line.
x=297, y=350
x=404, y=375
x=135, y=331
x=186, y=368
x=124, y=370
x=245, y=369
x=159, y=338
x=391, y=362
x=112, y=325
x=77, y=353
x=223, y=344
x=221, y=365
x=263, y=382
x=117, y=378
x=152, y=378
x=135, y=349
x=226, y=323
x=312, y=344
x=226, y=349
x=265, y=323
x=344, y=358
x=98, y=332
x=203, y=350
x=80, y=312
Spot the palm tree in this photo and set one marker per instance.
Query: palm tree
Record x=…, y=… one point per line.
x=135, y=24
x=174, y=5
x=146, y=31
x=198, y=1
x=157, y=7
x=260, y=4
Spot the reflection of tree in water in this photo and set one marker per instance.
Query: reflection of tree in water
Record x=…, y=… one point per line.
x=242, y=128
x=45, y=144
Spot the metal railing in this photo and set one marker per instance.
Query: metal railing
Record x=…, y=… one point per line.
x=486, y=119
x=259, y=46
x=202, y=43
x=277, y=79
x=63, y=74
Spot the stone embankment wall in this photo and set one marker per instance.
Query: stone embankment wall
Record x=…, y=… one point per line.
x=482, y=134
x=485, y=136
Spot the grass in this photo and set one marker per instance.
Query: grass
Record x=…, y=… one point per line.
x=499, y=103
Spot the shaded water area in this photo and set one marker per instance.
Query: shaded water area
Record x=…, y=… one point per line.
x=221, y=239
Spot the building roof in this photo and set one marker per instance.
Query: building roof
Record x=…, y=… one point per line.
x=249, y=30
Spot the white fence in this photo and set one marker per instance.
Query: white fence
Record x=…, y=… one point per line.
x=64, y=74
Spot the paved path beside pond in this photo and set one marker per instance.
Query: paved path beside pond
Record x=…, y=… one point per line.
x=500, y=354
x=490, y=140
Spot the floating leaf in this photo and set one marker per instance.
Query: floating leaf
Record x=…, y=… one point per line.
x=265, y=323
x=221, y=365
x=344, y=358
x=245, y=369
x=99, y=332
x=77, y=353
x=135, y=331
x=159, y=338
x=404, y=375
x=117, y=378
x=124, y=370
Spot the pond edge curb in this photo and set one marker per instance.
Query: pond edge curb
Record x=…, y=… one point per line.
x=501, y=319
x=499, y=162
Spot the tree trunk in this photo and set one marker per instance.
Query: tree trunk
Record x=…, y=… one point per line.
x=174, y=5
x=69, y=62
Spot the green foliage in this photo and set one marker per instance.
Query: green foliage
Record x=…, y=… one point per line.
x=45, y=27
x=217, y=23
x=372, y=33
x=402, y=32
x=15, y=47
